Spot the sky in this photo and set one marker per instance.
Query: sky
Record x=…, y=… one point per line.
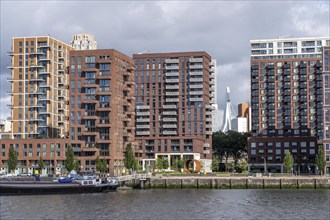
x=221, y=28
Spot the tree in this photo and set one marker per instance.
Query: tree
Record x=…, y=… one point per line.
x=129, y=158
x=288, y=161
x=99, y=164
x=165, y=164
x=12, y=159
x=70, y=162
x=215, y=164
x=230, y=144
x=136, y=165
x=41, y=164
x=159, y=163
x=320, y=159
x=180, y=164
x=243, y=165
x=76, y=166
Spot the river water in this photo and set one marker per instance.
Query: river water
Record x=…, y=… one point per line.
x=172, y=204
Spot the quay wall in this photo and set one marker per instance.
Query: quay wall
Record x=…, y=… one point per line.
x=232, y=183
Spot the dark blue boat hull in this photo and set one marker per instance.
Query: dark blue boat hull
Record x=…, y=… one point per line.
x=40, y=188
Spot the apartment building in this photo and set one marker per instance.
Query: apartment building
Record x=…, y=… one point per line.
x=102, y=107
x=83, y=42
x=286, y=98
x=39, y=87
x=174, y=97
x=326, y=104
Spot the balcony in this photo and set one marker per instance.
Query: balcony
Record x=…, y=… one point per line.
x=170, y=113
x=10, y=105
x=43, y=58
x=90, y=115
x=170, y=132
x=143, y=113
x=10, y=53
x=211, y=63
x=170, y=126
x=36, y=79
x=10, y=79
x=170, y=119
x=143, y=126
x=172, y=73
x=195, y=66
x=172, y=61
x=198, y=73
x=212, y=70
x=196, y=79
x=143, y=120
x=104, y=125
x=208, y=112
x=206, y=151
x=169, y=107
x=44, y=45
x=43, y=72
x=143, y=133
x=196, y=99
x=36, y=105
x=10, y=93
x=89, y=99
x=36, y=92
x=143, y=107
x=43, y=98
x=196, y=92
x=172, y=67
x=208, y=132
x=172, y=80
x=103, y=107
x=36, y=65
x=212, y=76
x=90, y=131
x=200, y=86
x=172, y=100
x=172, y=87
x=195, y=60
x=212, y=82
x=36, y=119
x=37, y=52
x=172, y=93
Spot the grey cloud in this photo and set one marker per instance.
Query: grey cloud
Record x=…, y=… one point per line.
x=223, y=29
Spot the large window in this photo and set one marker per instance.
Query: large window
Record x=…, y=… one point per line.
x=89, y=59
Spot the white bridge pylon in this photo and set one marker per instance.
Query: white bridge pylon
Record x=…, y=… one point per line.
x=228, y=113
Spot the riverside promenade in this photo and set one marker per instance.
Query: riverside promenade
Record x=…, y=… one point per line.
x=215, y=182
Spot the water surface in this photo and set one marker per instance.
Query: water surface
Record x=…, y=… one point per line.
x=172, y=204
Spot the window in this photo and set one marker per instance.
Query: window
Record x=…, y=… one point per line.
x=89, y=59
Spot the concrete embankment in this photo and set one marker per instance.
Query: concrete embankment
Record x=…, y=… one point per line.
x=234, y=183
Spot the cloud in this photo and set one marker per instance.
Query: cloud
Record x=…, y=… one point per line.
x=4, y=110
x=237, y=78
x=222, y=28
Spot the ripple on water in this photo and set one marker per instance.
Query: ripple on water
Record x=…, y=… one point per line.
x=172, y=204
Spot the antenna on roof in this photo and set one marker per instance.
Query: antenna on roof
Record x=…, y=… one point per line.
x=146, y=51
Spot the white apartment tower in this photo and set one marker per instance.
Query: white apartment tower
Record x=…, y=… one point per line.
x=83, y=42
